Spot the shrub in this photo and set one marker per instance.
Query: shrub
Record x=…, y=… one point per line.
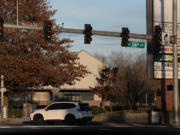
x=117, y=108
x=15, y=112
x=107, y=108
x=96, y=110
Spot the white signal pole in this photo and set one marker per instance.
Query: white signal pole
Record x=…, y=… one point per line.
x=175, y=69
x=3, y=89
x=17, y=12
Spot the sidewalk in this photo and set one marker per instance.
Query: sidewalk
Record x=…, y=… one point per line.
x=133, y=125
x=15, y=121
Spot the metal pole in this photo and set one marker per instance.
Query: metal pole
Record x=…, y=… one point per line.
x=2, y=96
x=17, y=9
x=80, y=31
x=146, y=100
x=175, y=69
x=2, y=92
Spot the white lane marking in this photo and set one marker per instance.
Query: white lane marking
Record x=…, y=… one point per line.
x=41, y=126
x=59, y=126
x=22, y=126
x=103, y=129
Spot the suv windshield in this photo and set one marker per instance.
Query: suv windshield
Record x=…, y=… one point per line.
x=84, y=107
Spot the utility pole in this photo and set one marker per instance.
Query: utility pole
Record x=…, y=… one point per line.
x=2, y=89
x=17, y=12
x=175, y=69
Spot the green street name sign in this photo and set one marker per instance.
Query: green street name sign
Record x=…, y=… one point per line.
x=136, y=44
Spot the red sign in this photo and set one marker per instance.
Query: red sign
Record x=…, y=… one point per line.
x=168, y=50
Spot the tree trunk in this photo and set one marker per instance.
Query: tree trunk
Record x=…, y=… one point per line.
x=103, y=105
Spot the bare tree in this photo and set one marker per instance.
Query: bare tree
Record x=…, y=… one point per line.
x=130, y=81
x=132, y=78
x=105, y=84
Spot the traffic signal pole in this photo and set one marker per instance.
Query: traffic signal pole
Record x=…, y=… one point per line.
x=80, y=31
x=175, y=68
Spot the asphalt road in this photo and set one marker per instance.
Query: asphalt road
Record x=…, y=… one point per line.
x=86, y=129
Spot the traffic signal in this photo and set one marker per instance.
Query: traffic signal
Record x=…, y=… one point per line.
x=1, y=28
x=47, y=30
x=87, y=34
x=125, y=37
x=169, y=87
x=157, y=39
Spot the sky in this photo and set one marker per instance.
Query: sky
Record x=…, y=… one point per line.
x=105, y=15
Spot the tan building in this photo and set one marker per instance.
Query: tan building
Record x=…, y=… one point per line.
x=80, y=91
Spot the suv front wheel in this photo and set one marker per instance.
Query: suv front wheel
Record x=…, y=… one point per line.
x=38, y=119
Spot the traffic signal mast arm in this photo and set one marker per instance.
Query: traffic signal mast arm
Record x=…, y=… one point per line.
x=80, y=31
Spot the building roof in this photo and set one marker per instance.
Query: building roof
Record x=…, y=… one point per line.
x=84, y=51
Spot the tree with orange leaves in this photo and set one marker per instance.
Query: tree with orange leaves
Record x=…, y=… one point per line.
x=26, y=60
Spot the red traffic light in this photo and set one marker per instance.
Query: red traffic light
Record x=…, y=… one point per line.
x=49, y=25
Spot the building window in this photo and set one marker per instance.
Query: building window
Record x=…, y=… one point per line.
x=75, y=95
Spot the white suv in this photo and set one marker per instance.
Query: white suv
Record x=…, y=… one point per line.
x=65, y=111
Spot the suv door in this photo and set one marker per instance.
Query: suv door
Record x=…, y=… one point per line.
x=54, y=112
x=58, y=111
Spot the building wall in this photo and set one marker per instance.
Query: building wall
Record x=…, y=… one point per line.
x=41, y=96
x=93, y=66
x=164, y=97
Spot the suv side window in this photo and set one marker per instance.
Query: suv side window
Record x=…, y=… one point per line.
x=52, y=107
x=69, y=106
x=84, y=107
x=61, y=106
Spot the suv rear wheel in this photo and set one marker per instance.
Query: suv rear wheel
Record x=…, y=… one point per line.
x=38, y=119
x=70, y=119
